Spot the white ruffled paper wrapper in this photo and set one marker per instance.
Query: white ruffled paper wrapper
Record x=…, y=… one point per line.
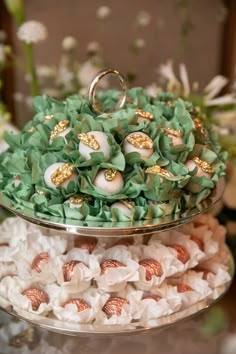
x=15, y=286
x=93, y=296
x=13, y=231
x=116, y=279
x=172, y=237
x=83, y=273
x=169, y=263
x=105, y=243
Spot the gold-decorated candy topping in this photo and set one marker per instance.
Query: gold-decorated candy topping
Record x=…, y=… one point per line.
x=128, y=203
x=140, y=141
x=36, y=297
x=198, y=125
x=157, y=170
x=62, y=174
x=114, y=305
x=182, y=254
x=48, y=117
x=183, y=288
x=79, y=198
x=68, y=270
x=31, y=130
x=41, y=258
x=152, y=267
x=59, y=128
x=86, y=243
x=80, y=304
x=175, y=133
x=146, y=115
x=110, y=174
x=152, y=297
x=204, y=166
x=89, y=140
x=110, y=263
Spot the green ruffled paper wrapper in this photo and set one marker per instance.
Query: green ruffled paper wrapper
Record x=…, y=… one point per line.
x=31, y=152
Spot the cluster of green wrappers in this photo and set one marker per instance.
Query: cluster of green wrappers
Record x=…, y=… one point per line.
x=30, y=154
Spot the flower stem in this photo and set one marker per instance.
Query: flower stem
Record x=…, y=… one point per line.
x=34, y=85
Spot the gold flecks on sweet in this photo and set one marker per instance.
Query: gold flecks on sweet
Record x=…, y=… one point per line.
x=48, y=117
x=146, y=115
x=175, y=133
x=110, y=174
x=140, y=141
x=128, y=203
x=31, y=130
x=157, y=170
x=89, y=140
x=39, y=192
x=79, y=198
x=204, y=166
x=62, y=174
x=198, y=125
x=59, y=128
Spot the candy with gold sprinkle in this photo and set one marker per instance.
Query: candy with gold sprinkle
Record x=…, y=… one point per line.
x=144, y=116
x=41, y=258
x=114, y=306
x=61, y=129
x=93, y=141
x=152, y=267
x=182, y=254
x=183, y=288
x=126, y=241
x=198, y=241
x=157, y=170
x=110, y=181
x=198, y=126
x=138, y=142
x=174, y=135
x=68, y=269
x=80, y=304
x=48, y=117
x=86, y=243
x=77, y=200
x=110, y=263
x=203, y=167
x=36, y=297
x=124, y=206
x=59, y=175
x=151, y=297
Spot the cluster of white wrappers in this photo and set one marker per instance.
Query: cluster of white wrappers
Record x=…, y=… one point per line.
x=26, y=241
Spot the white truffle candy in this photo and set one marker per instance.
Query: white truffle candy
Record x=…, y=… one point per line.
x=191, y=165
x=138, y=142
x=101, y=144
x=50, y=171
x=174, y=135
x=125, y=209
x=110, y=181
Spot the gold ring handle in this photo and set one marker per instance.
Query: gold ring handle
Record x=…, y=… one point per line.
x=93, y=85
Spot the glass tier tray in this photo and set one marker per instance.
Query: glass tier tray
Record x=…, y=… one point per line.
x=75, y=329
x=107, y=229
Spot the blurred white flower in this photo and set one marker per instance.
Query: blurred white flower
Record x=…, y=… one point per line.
x=153, y=90
x=93, y=47
x=229, y=344
x=45, y=71
x=215, y=86
x=18, y=96
x=2, y=54
x=3, y=36
x=69, y=43
x=86, y=74
x=143, y=18
x=184, y=79
x=32, y=32
x=139, y=43
x=167, y=72
x=103, y=12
